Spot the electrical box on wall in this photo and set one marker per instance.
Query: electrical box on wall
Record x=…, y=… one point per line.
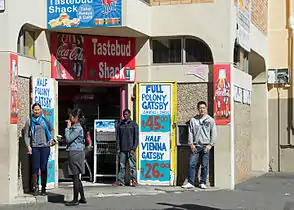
x=278, y=76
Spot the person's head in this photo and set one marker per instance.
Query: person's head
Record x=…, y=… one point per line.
x=76, y=115
x=202, y=108
x=127, y=114
x=37, y=110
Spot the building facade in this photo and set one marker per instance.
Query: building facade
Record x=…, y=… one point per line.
x=178, y=41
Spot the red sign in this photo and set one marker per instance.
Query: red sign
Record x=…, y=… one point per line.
x=13, y=89
x=78, y=57
x=222, y=93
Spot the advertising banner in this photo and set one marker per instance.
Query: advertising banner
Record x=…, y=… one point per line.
x=13, y=89
x=155, y=111
x=78, y=57
x=244, y=24
x=83, y=13
x=43, y=92
x=222, y=93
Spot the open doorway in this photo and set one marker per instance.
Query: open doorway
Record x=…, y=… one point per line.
x=96, y=102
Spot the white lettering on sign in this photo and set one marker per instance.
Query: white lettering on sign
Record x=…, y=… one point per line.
x=109, y=72
x=111, y=49
x=75, y=54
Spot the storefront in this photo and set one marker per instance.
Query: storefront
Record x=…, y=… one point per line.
x=92, y=73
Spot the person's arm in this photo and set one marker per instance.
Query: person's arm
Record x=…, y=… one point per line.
x=136, y=137
x=213, y=134
x=51, y=129
x=71, y=134
x=190, y=133
x=117, y=133
x=27, y=131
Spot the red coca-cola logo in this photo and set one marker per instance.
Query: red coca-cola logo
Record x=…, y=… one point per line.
x=75, y=54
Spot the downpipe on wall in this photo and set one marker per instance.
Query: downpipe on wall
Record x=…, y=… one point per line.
x=290, y=27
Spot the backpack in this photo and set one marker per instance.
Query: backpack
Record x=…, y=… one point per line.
x=87, y=136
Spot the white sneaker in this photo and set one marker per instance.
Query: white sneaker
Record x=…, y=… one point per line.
x=187, y=186
x=203, y=186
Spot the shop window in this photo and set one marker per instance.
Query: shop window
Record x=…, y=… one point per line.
x=167, y=50
x=197, y=51
x=26, y=43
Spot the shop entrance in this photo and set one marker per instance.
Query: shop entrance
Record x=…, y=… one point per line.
x=96, y=102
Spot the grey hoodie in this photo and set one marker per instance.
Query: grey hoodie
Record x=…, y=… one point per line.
x=202, y=131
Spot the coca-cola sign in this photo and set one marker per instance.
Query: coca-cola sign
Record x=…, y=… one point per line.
x=75, y=54
x=78, y=57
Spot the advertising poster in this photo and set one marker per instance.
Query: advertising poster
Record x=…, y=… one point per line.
x=155, y=133
x=13, y=89
x=83, y=13
x=105, y=125
x=43, y=92
x=78, y=57
x=244, y=23
x=222, y=93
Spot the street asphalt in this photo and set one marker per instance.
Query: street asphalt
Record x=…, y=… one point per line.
x=269, y=192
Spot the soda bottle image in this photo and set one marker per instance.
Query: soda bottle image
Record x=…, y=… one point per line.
x=128, y=73
x=222, y=95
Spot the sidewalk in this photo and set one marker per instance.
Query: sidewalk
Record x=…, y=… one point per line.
x=65, y=191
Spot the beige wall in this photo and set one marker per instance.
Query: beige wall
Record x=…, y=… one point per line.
x=214, y=23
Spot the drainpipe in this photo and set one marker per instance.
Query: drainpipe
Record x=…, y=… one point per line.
x=290, y=55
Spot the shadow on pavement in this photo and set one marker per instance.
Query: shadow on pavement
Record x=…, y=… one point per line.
x=55, y=198
x=186, y=207
x=289, y=206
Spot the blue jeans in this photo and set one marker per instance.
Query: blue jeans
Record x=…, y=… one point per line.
x=40, y=157
x=123, y=158
x=194, y=157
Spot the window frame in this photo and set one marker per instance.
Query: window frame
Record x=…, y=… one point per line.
x=21, y=42
x=166, y=38
x=198, y=62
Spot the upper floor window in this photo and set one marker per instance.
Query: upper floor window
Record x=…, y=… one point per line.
x=197, y=51
x=26, y=42
x=180, y=50
x=167, y=50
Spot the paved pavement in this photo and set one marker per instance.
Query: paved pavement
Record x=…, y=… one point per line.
x=269, y=192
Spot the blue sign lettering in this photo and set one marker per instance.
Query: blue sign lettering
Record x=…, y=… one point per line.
x=83, y=13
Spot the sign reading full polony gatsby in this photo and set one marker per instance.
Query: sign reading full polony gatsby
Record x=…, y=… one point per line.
x=78, y=57
x=83, y=13
x=155, y=133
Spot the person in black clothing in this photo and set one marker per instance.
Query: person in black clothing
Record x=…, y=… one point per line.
x=127, y=138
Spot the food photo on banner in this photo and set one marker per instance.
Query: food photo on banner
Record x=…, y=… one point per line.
x=222, y=93
x=83, y=13
x=44, y=94
x=155, y=132
x=79, y=57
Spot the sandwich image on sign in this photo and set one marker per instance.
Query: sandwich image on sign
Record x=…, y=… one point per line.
x=64, y=20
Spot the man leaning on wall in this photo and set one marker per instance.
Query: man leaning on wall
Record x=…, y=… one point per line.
x=202, y=135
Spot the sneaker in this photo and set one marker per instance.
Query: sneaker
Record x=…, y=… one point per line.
x=118, y=183
x=203, y=186
x=188, y=186
x=134, y=183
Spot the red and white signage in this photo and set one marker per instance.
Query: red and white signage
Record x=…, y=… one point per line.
x=78, y=57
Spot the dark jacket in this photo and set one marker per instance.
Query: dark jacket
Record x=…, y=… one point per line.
x=127, y=135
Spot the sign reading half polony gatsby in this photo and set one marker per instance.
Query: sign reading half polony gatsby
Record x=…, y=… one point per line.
x=83, y=13
x=43, y=93
x=78, y=57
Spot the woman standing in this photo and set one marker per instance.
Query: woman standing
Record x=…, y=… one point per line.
x=74, y=135
x=38, y=138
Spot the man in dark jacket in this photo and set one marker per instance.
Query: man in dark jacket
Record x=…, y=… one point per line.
x=127, y=138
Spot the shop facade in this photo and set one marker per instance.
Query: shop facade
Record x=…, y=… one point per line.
x=126, y=59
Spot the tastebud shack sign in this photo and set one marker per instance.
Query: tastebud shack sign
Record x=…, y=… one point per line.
x=93, y=58
x=155, y=133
